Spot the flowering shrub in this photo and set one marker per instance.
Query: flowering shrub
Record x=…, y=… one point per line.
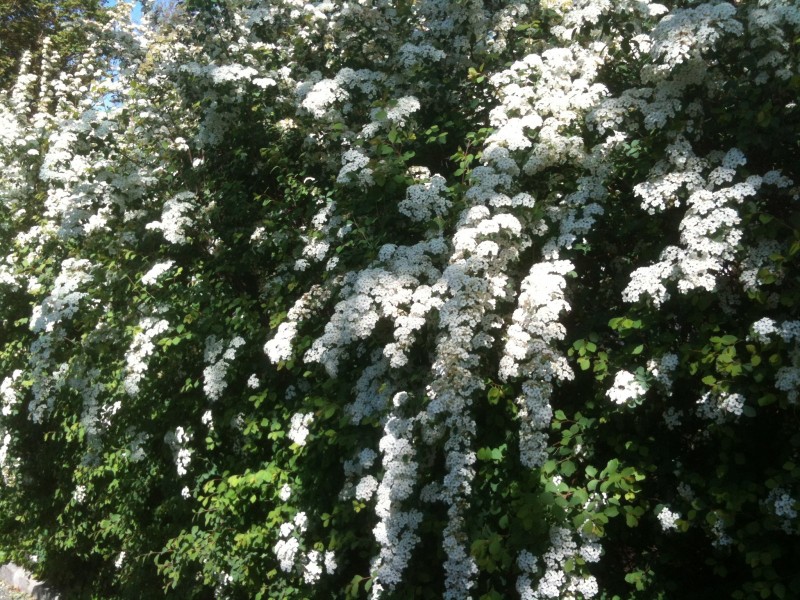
x=407, y=300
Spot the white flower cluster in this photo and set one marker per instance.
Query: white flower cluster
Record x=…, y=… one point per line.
x=176, y=218
x=95, y=417
x=626, y=388
x=661, y=369
x=765, y=328
x=288, y=546
x=279, y=348
x=218, y=362
x=709, y=229
x=366, y=488
x=298, y=431
x=373, y=391
x=141, y=347
x=65, y=296
x=535, y=321
x=208, y=420
x=668, y=519
x=401, y=109
x=396, y=529
x=354, y=168
x=685, y=34
x=156, y=271
x=363, y=460
x=79, y=494
x=178, y=441
x=8, y=393
x=563, y=91
x=410, y=55
x=135, y=448
x=722, y=539
x=318, y=97
x=285, y=492
x=426, y=200
x=720, y=407
x=6, y=465
x=758, y=258
x=787, y=378
x=231, y=73
x=558, y=581
x=784, y=506
x=662, y=187
x=395, y=291
x=529, y=352
x=315, y=560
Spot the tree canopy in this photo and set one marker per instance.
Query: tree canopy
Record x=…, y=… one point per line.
x=25, y=24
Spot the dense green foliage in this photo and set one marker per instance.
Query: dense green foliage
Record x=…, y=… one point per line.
x=411, y=299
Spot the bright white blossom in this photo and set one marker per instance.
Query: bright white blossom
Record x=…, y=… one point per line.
x=626, y=388
x=298, y=431
x=668, y=519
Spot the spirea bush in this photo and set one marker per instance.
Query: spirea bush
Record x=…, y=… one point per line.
x=406, y=299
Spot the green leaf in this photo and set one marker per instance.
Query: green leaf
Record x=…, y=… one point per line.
x=494, y=395
x=611, y=468
x=767, y=399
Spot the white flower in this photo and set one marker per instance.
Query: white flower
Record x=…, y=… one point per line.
x=403, y=107
x=313, y=568
x=366, y=488
x=232, y=72
x=175, y=219
x=286, y=551
x=763, y=329
x=177, y=441
x=157, y=271
x=79, y=494
x=668, y=519
x=298, y=431
x=141, y=347
x=354, y=168
x=426, y=200
x=285, y=493
x=321, y=96
x=214, y=383
x=330, y=562
x=301, y=521
x=626, y=388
